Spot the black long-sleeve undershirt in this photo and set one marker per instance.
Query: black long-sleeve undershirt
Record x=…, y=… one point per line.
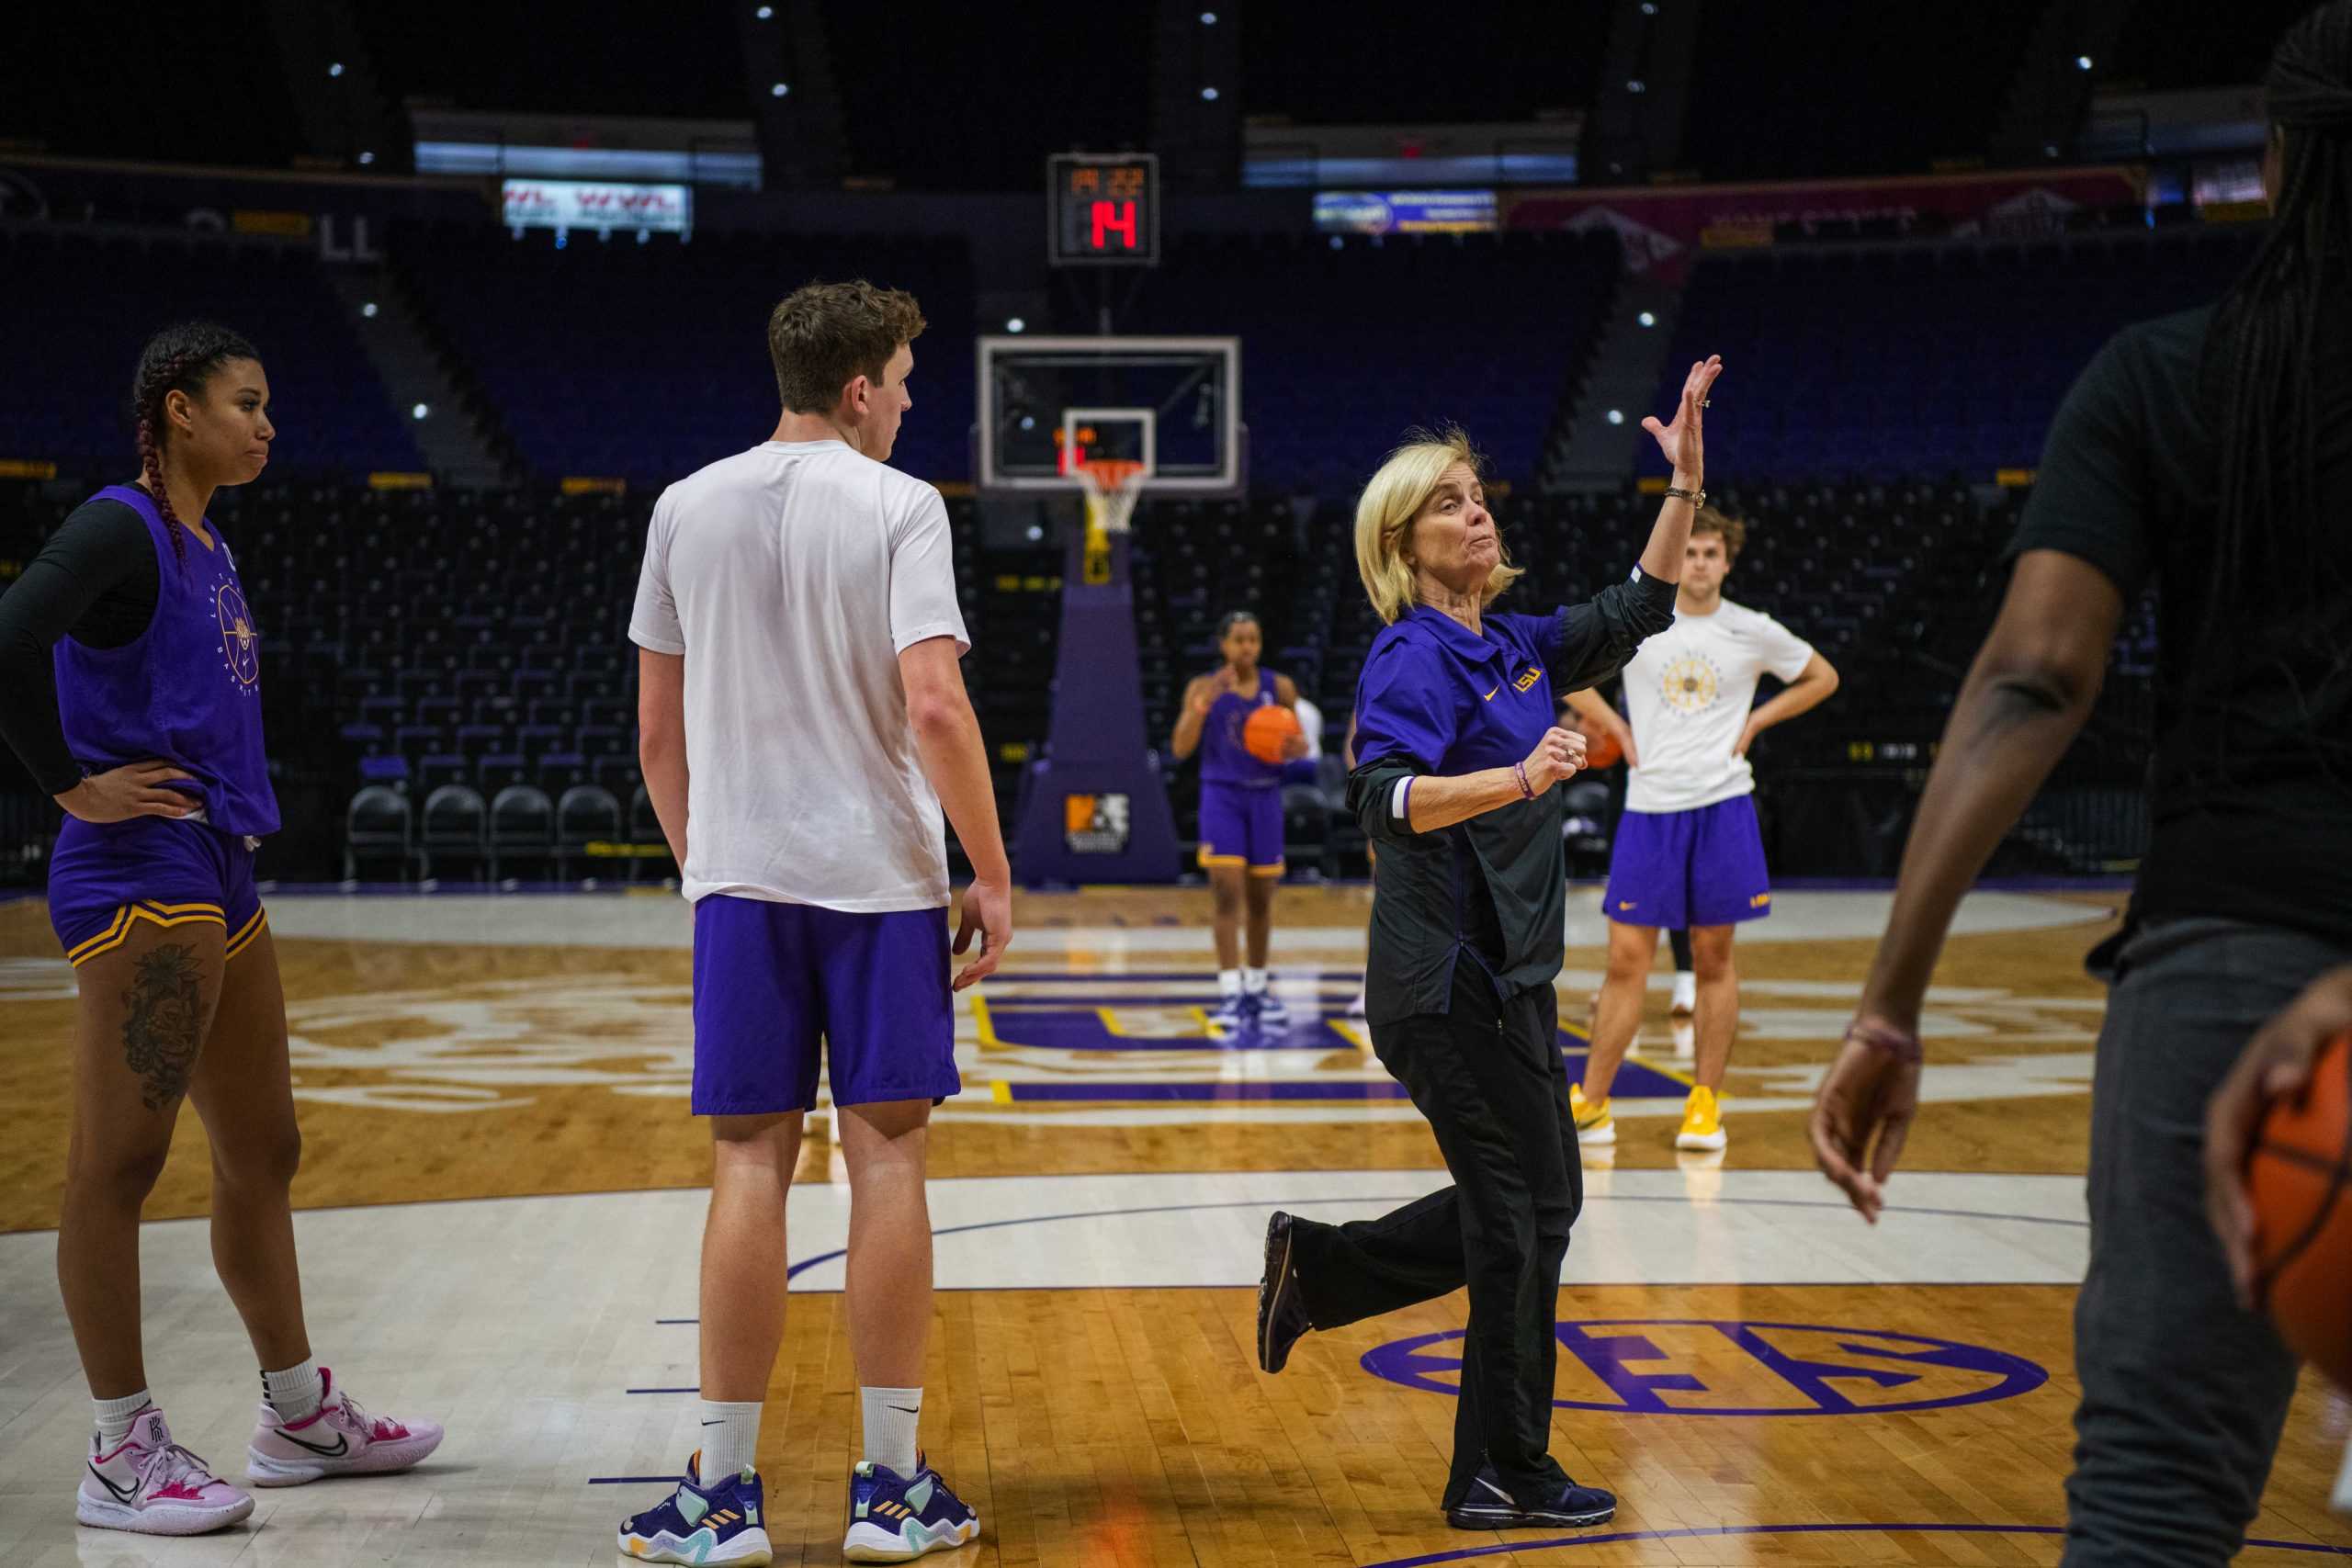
x=96, y=582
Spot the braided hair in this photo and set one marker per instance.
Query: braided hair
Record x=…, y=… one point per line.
x=2277, y=583
x=179, y=359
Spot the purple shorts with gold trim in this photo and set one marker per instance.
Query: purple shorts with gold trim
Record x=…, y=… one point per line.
x=1242, y=825
x=107, y=880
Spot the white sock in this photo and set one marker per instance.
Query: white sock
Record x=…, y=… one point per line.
x=1253, y=982
x=730, y=1435
x=114, y=1418
x=296, y=1393
x=891, y=1418
x=1228, y=984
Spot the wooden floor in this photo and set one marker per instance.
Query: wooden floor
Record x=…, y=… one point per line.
x=1093, y=1389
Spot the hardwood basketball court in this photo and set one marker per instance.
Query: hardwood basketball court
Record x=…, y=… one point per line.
x=502, y=1218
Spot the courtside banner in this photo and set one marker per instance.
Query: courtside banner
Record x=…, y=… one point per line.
x=1661, y=226
x=599, y=204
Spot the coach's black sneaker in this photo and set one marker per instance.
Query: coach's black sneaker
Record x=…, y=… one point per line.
x=1489, y=1507
x=1281, y=1305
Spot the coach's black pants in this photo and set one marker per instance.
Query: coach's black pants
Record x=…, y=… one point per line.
x=1489, y=1078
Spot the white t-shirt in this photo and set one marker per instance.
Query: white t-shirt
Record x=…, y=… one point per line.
x=1688, y=694
x=791, y=576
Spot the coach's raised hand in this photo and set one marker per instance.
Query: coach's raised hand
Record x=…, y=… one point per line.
x=1681, y=441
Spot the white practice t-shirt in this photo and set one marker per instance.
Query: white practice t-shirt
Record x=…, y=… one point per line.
x=792, y=576
x=1688, y=694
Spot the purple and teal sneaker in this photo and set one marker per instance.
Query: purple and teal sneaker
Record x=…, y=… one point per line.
x=702, y=1523
x=892, y=1520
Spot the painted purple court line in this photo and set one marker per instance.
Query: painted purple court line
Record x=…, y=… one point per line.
x=632, y=1481
x=1717, y=1531
x=694, y=1389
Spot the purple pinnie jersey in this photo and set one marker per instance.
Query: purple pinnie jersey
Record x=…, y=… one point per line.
x=1223, y=758
x=188, y=691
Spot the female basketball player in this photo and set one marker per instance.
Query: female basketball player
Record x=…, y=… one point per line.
x=1241, y=813
x=2203, y=454
x=1456, y=756
x=130, y=672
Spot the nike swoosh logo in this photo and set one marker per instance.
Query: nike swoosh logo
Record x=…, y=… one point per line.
x=1490, y=695
x=119, y=1495
x=713, y=1423
x=906, y=1411
x=342, y=1445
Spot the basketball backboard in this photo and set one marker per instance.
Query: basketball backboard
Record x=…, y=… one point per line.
x=1172, y=403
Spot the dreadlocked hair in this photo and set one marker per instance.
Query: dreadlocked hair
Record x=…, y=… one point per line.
x=179, y=359
x=2275, y=333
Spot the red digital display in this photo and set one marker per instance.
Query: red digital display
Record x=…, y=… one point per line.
x=1102, y=209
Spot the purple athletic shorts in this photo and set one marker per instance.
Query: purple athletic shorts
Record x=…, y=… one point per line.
x=1689, y=868
x=773, y=980
x=1241, y=826
x=107, y=880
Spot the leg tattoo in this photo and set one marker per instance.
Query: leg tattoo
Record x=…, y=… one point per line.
x=166, y=1026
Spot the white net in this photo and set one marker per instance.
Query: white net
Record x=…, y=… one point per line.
x=1112, y=493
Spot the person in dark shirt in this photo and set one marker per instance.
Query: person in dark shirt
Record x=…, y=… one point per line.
x=1456, y=756
x=2199, y=453
x=129, y=688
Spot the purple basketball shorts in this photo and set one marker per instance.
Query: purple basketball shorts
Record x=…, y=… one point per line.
x=775, y=984
x=1241, y=826
x=107, y=880
x=1704, y=867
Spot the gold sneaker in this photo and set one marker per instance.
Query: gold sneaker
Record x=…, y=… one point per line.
x=1702, y=1121
x=1594, y=1125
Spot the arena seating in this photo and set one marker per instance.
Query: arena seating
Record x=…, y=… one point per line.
x=645, y=362
x=1879, y=360
x=1351, y=341
x=80, y=304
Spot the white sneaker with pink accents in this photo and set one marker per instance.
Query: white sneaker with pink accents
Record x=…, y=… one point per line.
x=339, y=1439
x=151, y=1486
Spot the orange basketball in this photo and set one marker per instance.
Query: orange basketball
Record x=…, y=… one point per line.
x=2300, y=1177
x=1602, y=750
x=1268, y=729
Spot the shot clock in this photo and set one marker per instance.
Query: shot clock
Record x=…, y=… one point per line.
x=1102, y=209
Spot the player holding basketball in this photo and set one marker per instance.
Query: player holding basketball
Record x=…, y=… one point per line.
x=804, y=722
x=1688, y=851
x=1241, y=813
x=1456, y=774
x=129, y=688
x=2204, y=453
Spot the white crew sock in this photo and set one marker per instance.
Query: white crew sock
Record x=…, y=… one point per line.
x=1253, y=982
x=891, y=1418
x=1228, y=984
x=114, y=1418
x=296, y=1393
x=731, y=1434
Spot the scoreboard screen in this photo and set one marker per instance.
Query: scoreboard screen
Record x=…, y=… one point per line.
x=1102, y=208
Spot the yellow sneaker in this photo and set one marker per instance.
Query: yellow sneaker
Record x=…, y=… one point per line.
x=1594, y=1125
x=1702, y=1121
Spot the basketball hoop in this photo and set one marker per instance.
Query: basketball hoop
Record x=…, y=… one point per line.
x=1111, y=492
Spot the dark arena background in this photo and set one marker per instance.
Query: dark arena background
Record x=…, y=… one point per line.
x=509, y=269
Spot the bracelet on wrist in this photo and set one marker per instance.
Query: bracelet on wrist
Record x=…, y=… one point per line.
x=1883, y=1037
x=1519, y=771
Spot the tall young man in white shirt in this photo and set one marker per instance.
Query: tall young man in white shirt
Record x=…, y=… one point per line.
x=1688, y=851
x=804, y=722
